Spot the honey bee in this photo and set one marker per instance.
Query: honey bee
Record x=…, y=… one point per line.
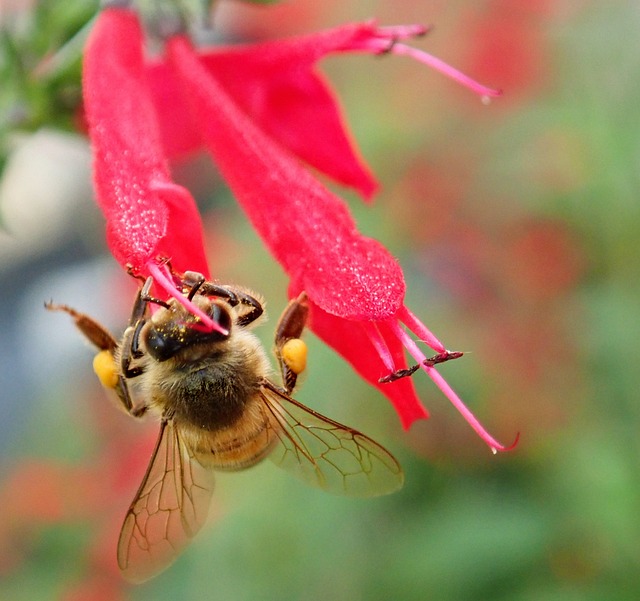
x=218, y=410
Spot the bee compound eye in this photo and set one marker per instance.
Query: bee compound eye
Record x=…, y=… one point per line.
x=161, y=345
x=222, y=317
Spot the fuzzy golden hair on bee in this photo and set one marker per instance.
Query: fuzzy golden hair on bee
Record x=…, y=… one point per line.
x=218, y=407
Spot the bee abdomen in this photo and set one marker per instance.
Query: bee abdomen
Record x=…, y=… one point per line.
x=246, y=443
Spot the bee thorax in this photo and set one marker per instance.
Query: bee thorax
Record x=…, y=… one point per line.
x=212, y=396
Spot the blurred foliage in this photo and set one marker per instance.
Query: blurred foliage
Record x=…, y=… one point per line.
x=40, y=57
x=517, y=227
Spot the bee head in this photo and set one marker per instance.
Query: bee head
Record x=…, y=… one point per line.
x=174, y=329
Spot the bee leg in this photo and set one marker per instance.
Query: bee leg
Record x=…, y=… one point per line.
x=194, y=281
x=105, y=342
x=290, y=350
x=143, y=298
x=130, y=340
x=96, y=334
x=254, y=306
x=130, y=346
x=197, y=284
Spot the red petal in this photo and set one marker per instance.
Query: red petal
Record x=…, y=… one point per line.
x=147, y=215
x=308, y=229
x=275, y=83
x=180, y=134
x=293, y=104
x=350, y=340
x=184, y=242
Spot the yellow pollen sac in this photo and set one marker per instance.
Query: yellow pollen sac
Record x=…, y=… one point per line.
x=294, y=355
x=105, y=368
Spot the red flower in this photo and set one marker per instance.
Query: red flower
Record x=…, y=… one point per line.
x=258, y=110
x=148, y=216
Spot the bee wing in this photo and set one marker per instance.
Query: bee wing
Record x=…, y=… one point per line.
x=327, y=454
x=170, y=506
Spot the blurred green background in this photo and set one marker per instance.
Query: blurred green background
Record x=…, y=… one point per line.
x=517, y=226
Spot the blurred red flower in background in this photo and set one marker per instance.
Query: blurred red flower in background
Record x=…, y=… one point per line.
x=505, y=43
x=39, y=495
x=508, y=280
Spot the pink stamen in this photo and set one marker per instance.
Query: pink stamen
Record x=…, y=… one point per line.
x=402, y=32
x=447, y=70
x=471, y=419
x=442, y=384
x=164, y=269
x=385, y=39
x=420, y=330
x=163, y=278
x=380, y=345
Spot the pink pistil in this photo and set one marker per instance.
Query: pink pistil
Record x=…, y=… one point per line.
x=447, y=70
x=420, y=330
x=442, y=384
x=165, y=281
x=402, y=32
x=380, y=345
x=385, y=39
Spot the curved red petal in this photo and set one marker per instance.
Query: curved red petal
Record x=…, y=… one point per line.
x=180, y=134
x=295, y=105
x=280, y=90
x=120, y=116
x=184, y=242
x=351, y=276
x=350, y=340
x=147, y=214
x=308, y=229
